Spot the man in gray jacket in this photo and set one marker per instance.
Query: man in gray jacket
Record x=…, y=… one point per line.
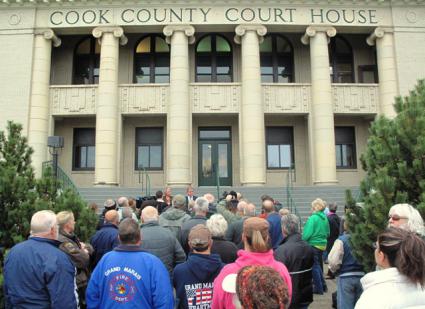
x=174, y=217
x=160, y=241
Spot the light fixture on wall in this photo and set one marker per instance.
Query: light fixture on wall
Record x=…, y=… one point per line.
x=55, y=144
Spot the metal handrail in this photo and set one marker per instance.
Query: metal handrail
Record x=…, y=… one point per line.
x=145, y=181
x=289, y=188
x=62, y=176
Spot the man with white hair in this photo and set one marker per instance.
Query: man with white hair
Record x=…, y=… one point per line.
x=200, y=209
x=36, y=273
x=160, y=241
x=124, y=210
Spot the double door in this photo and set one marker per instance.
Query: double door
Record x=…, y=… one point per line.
x=215, y=157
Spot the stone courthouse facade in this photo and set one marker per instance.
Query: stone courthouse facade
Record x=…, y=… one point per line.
x=188, y=90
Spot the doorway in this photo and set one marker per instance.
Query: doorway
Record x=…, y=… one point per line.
x=215, y=156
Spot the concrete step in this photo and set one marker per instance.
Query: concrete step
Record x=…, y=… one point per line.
x=302, y=196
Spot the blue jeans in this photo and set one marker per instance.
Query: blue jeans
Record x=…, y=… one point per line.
x=319, y=284
x=349, y=290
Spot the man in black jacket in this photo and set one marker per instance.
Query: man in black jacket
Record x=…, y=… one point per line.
x=297, y=256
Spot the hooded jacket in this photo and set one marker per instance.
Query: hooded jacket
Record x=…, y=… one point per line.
x=193, y=280
x=222, y=299
x=385, y=289
x=316, y=230
x=173, y=220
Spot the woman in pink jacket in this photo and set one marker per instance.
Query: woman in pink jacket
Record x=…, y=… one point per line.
x=257, y=252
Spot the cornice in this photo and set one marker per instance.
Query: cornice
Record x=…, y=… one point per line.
x=83, y=3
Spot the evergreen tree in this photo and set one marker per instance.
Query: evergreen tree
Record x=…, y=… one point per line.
x=395, y=166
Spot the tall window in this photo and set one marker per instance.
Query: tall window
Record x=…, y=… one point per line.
x=84, y=149
x=149, y=145
x=86, y=62
x=214, y=59
x=152, y=61
x=345, y=147
x=280, y=145
x=341, y=60
x=277, y=60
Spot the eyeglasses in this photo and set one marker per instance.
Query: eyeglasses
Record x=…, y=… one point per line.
x=396, y=217
x=374, y=245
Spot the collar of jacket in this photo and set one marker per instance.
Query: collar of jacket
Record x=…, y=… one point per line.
x=109, y=225
x=131, y=248
x=53, y=242
x=150, y=223
x=292, y=238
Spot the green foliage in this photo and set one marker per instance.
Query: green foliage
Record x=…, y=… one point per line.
x=395, y=166
x=17, y=183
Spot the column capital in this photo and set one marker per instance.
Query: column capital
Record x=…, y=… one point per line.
x=117, y=32
x=312, y=30
x=241, y=30
x=188, y=30
x=378, y=33
x=48, y=34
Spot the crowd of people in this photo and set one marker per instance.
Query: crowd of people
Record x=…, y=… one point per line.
x=193, y=252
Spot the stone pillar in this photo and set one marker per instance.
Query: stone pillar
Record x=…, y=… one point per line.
x=107, y=110
x=321, y=118
x=388, y=84
x=179, y=116
x=251, y=117
x=39, y=100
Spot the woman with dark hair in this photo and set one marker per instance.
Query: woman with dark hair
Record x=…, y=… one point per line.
x=401, y=282
x=257, y=251
x=261, y=287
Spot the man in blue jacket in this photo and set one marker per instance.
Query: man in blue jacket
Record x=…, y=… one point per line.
x=127, y=277
x=194, y=279
x=106, y=238
x=37, y=274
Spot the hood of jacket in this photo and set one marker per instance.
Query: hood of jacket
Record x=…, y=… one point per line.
x=173, y=214
x=254, y=258
x=204, y=267
x=320, y=215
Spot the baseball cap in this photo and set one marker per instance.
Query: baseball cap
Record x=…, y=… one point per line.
x=199, y=236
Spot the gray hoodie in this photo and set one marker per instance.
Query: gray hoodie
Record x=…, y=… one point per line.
x=173, y=220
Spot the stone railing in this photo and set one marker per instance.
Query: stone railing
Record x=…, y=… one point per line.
x=215, y=97
x=73, y=99
x=355, y=98
x=144, y=99
x=286, y=98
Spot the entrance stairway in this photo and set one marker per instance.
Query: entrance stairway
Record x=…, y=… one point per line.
x=301, y=196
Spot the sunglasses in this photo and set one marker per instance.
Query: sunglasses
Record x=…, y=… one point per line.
x=396, y=217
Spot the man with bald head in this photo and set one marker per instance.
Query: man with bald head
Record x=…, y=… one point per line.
x=160, y=241
x=234, y=231
x=106, y=238
x=36, y=273
x=273, y=218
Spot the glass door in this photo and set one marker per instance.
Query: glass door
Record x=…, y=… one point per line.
x=215, y=157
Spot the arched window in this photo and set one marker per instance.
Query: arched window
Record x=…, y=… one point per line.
x=152, y=60
x=214, y=59
x=341, y=60
x=277, y=60
x=86, y=62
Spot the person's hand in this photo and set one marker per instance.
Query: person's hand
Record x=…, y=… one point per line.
x=229, y=197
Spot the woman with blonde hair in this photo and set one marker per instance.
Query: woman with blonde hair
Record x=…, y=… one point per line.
x=257, y=252
x=401, y=281
x=315, y=233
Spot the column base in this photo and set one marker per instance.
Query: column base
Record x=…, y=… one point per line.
x=325, y=183
x=102, y=184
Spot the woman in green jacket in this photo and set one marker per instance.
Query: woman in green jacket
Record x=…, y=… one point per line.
x=316, y=233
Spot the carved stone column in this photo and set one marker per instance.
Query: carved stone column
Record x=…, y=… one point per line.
x=179, y=117
x=321, y=118
x=388, y=84
x=251, y=117
x=107, y=111
x=39, y=100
